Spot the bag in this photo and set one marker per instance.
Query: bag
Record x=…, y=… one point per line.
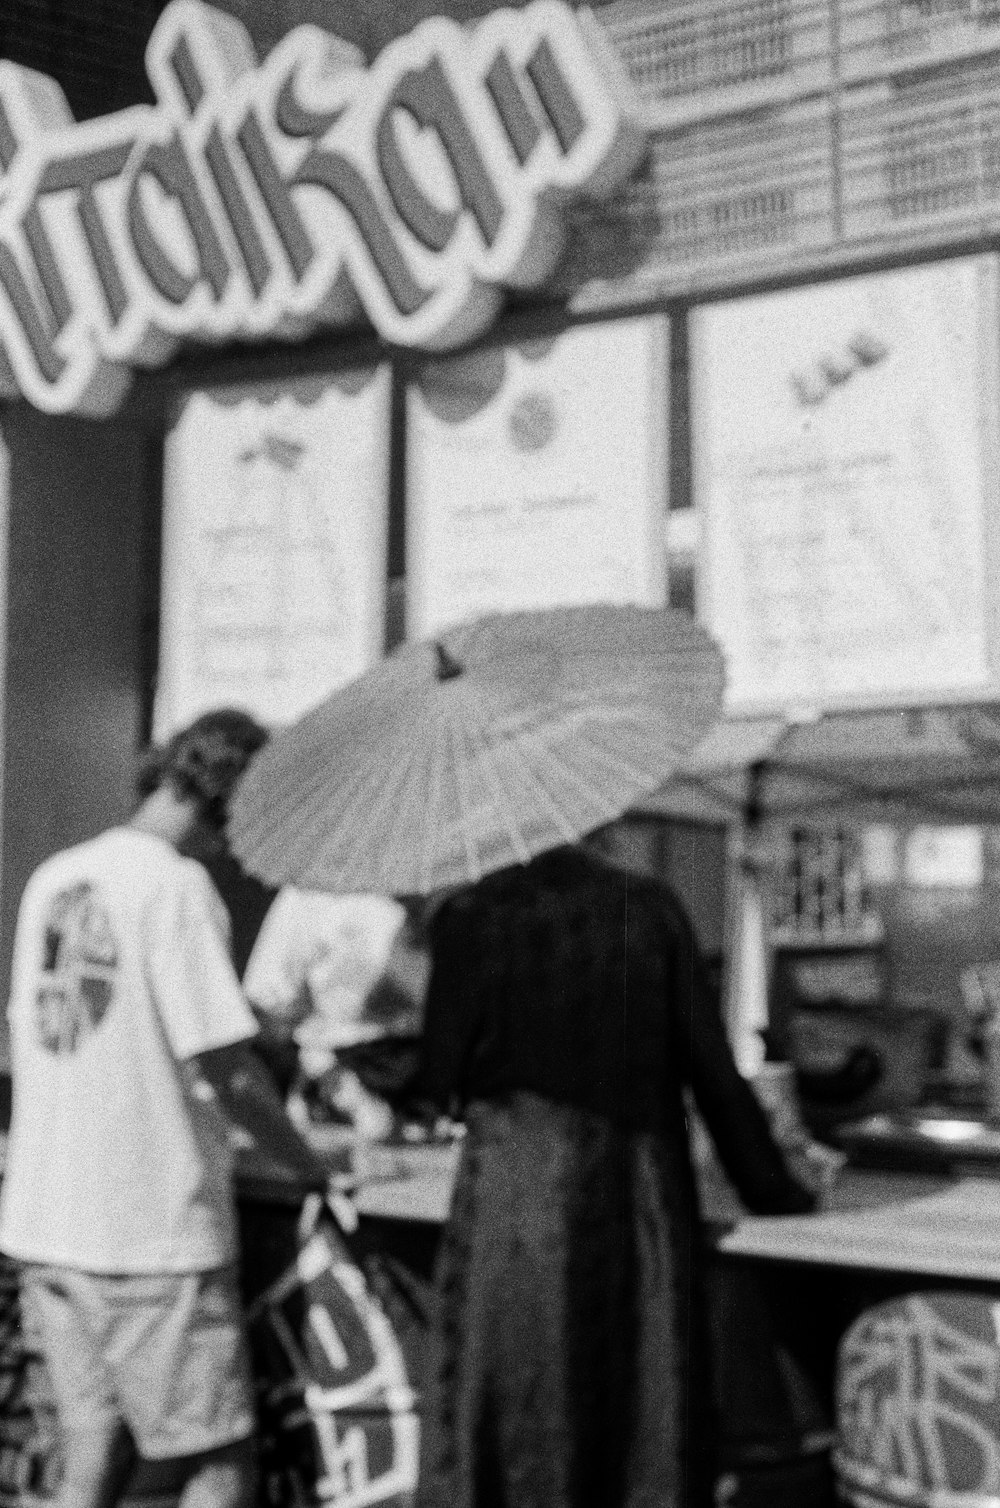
x=338, y=1341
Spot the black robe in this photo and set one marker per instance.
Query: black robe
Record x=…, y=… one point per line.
x=568, y=1009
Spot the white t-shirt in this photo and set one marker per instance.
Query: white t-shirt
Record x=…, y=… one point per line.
x=121, y=973
x=341, y=967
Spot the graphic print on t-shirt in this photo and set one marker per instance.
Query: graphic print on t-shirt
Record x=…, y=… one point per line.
x=79, y=965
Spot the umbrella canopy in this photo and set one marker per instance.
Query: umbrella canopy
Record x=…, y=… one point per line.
x=926, y=765
x=454, y=758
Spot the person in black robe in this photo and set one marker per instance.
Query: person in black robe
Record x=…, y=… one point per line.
x=568, y=1010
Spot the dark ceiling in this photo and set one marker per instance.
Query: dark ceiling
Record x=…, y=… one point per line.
x=94, y=48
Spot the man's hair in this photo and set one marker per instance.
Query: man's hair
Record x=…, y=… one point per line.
x=204, y=761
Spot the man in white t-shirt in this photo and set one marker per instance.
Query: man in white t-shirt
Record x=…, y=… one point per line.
x=130, y=1052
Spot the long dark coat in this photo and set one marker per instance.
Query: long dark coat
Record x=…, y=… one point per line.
x=568, y=1009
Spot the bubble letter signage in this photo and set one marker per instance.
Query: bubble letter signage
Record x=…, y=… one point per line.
x=264, y=200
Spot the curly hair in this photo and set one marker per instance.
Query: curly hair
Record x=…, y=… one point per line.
x=204, y=761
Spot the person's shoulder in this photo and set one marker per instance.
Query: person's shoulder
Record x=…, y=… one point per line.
x=332, y=903
x=190, y=877
x=179, y=893
x=556, y=880
x=43, y=872
x=648, y=898
x=149, y=868
x=330, y=914
x=76, y=859
x=580, y=871
x=148, y=861
x=656, y=897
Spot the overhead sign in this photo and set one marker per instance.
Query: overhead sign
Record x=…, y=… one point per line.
x=537, y=475
x=257, y=200
x=274, y=546
x=845, y=461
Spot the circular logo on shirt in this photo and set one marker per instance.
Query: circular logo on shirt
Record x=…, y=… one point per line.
x=78, y=971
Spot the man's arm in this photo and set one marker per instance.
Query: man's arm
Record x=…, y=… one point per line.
x=249, y=1098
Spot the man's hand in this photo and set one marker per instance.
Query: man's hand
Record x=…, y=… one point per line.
x=249, y=1098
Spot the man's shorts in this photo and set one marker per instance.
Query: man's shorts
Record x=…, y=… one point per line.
x=166, y=1353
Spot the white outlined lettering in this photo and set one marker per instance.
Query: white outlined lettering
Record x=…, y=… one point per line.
x=268, y=199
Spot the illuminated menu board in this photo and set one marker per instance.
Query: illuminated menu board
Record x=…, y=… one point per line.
x=845, y=446
x=536, y=475
x=274, y=545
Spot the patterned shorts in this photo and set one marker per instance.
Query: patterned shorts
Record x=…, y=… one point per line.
x=165, y=1352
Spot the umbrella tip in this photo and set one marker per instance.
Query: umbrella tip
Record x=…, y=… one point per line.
x=447, y=666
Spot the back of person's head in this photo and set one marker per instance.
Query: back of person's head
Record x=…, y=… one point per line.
x=204, y=761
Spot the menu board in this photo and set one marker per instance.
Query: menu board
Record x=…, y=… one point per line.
x=536, y=475
x=845, y=467
x=274, y=546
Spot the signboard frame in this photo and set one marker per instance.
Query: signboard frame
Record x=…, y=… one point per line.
x=717, y=582
x=279, y=430
x=517, y=402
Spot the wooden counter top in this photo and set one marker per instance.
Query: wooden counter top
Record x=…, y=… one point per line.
x=414, y=1183
x=959, y=1238
x=398, y=1185
x=401, y=1182
x=949, y=1230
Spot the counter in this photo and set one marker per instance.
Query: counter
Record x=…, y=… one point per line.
x=773, y=1327
x=947, y=1229
x=407, y=1183
x=413, y=1183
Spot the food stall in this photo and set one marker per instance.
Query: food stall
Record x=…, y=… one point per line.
x=237, y=451
x=156, y=319
x=783, y=1292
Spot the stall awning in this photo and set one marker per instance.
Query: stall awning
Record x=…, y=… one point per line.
x=936, y=764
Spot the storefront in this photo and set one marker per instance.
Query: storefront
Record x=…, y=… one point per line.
x=335, y=328
x=278, y=319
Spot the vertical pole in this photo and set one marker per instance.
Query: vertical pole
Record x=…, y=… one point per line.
x=748, y=975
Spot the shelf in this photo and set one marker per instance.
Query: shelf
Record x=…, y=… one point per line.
x=793, y=937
